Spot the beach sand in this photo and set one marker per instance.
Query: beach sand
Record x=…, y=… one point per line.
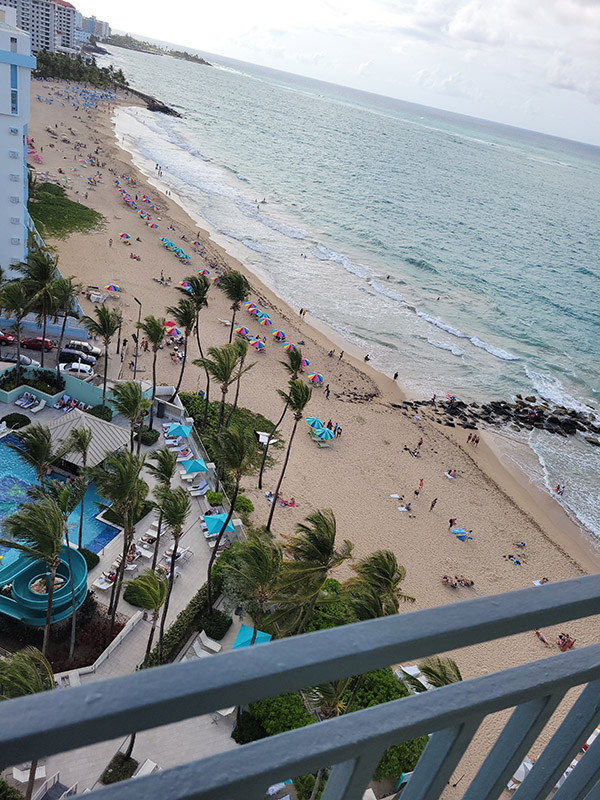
x=368, y=463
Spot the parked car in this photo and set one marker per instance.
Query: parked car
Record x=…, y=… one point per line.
x=79, y=370
x=85, y=347
x=68, y=356
x=25, y=360
x=6, y=338
x=37, y=343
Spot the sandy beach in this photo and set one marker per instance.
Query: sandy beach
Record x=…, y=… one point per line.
x=357, y=475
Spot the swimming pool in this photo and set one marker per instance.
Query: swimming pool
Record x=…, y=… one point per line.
x=16, y=477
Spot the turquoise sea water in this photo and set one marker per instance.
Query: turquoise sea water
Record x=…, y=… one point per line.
x=460, y=253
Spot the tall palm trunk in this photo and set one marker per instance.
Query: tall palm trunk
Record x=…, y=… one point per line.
x=213, y=555
x=157, y=542
x=50, y=592
x=59, y=348
x=116, y=590
x=153, y=387
x=206, y=396
x=307, y=616
x=43, y=335
x=222, y=409
x=105, y=373
x=163, y=620
x=73, y=604
x=234, y=308
x=237, y=394
x=185, y=345
x=317, y=786
x=18, y=337
x=298, y=417
x=31, y=780
x=80, y=537
x=129, y=751
x=264, y=458
x=151, y=637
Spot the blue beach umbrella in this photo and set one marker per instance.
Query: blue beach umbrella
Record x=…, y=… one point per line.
x=244, y=637
x=176, y=429
x=314, y=422
x=324, y=433
x=214, y=523
x=194, y=465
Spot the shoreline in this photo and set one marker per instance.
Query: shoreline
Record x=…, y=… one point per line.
x=551, y=518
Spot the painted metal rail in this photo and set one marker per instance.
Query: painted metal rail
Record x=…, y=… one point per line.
x=353, y=744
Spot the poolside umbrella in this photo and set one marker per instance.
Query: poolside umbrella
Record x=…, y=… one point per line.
x=324, y=433
x=112, y=287
x=315, y=377
x=314, y=422
x=241, y=330
x=244, y=637
x=214, y=523
x=257, y=344
x=266, y=321
x=193, y=465
x=175, y=429
x=280, y=335
x=305, y=362
x=289, y=346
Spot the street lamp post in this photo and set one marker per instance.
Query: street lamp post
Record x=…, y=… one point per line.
x=119, y=336
x=137, y=338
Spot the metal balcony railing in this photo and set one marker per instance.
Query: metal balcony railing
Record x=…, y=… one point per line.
x=55, y=722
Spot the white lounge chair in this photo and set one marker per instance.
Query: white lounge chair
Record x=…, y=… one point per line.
x=102, y=583
x=39, y=407
x=200, y=653
x=147, y=768
x=209, y=643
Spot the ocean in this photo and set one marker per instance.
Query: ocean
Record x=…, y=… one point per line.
x=460, y=253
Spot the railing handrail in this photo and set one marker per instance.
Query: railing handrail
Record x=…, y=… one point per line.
x=46, y=723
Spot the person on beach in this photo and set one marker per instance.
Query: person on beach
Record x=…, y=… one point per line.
x=433, y=502
x=327, y=392
x=367, y=357
x=420, y=483
x=341, y=355
x=469, y=438
x=110, y=242
x=395, y=376
x=300, y=313
x=452, y=523
x=541, y=637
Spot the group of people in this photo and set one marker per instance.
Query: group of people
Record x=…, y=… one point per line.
x=473, y=439
x=271, y=497
x=337, y=430
x=455, y=582
x=564, y=641
x=559, y=489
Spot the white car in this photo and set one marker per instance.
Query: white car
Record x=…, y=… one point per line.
x=77, y=369
x=85, y=347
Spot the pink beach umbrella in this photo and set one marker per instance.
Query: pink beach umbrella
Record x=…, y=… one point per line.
x=305, y=362
x=170, y=324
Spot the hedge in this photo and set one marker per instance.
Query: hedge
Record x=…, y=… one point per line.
x=102, y=412
x=214, y=498
x=91, y=559
x=283, y=713
x=14, y=420
x=216, y=625
x=8, y=792
x=149, y=435
x=119, y=769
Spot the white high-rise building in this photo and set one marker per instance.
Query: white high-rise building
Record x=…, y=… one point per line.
x=51, y=23
x=16, y=63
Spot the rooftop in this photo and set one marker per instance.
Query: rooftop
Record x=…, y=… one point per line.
x=106, y=437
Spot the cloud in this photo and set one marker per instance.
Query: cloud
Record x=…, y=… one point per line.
x=366, y=67
x=454, y=84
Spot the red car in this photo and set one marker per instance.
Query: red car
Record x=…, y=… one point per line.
x=6, y=338
x=37, y=343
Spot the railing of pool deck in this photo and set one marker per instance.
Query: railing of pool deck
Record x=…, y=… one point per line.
x=352, y=744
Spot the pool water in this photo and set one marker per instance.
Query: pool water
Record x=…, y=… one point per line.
x=16, y=477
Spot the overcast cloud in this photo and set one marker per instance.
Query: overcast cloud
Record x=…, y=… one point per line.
x=530, y=63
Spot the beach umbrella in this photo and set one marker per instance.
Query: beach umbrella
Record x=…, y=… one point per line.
x=170, y=323
x=154, y=225
x=185, y=285
x=280, y=335
x=244, y=638
x=197, y=243
x=257, y=344
x=315, y=377
x=241, y=330
x=247, y=304
x=254, y=310
x=266, y=321
x=112, y=287
x=204, y=271
x=288, y=346
x=194, y=465
x=314, y=422
x=175, y=429
x=305, y=362
x=214, y=523
x=324, y=433
x=173, y=331
x=125, y=236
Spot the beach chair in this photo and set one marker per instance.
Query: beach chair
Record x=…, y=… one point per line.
x=146, y=768
x=200, y=653
x=209, y=643
x=39, y=407
x=62, y=402
x=20, y=401
x=323, y=443
x=102, y=583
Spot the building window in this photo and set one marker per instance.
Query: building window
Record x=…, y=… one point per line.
x=15, y=240
x=14, y=199
x=14, y=76
x=13, y=44
x=15, y=221
x=14, y=178
x=13, y=154
x=13, y=131
x=14, y=102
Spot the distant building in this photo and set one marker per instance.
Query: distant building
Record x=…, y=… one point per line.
x=101, y=30
x=16, y=63
x=51, y=23
x=81, y=37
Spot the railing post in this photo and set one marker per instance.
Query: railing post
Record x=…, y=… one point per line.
x=584, y=781
x=349, y=780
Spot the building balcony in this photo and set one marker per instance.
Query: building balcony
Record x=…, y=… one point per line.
x=352, y=744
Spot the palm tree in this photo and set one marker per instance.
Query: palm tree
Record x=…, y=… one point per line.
x=36, y=529
x=79, y=442
x=118, y=480
x=64, y=293
x=21, y=674
x=293, y=363
x=272, y=433
x=236, y=287
x=313, y=557
x=154, y=330
x=35, y=448
x=39, y=274
x=128, y=399
x=175, y=506
x=242, y=348
x=235, y=452
x=376, y=587
x=184, y=315
x=221, y=364
x=297, y=399
x=105, y=326
x=163, y=471
x=148, y=591
x=437, y=670
x=252, y=579
x=15, y=302
x=197, y=291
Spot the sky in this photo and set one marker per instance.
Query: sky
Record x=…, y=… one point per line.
x=530, y=63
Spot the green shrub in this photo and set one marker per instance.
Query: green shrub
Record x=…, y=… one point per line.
x=55, y=215
x=227, y=557
x=283, y=713
x=149, y=435
x=8, y=792
x=330, y=614
x=243, y=505
x=15, y=420
x=248, y=729
x=102, y=412
x=119, y=769
x=400, y=758
x=91, y=559
x=214, y=498
x=305, y=784
x=216, y=625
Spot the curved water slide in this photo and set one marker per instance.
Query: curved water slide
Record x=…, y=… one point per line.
x=28, y=606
